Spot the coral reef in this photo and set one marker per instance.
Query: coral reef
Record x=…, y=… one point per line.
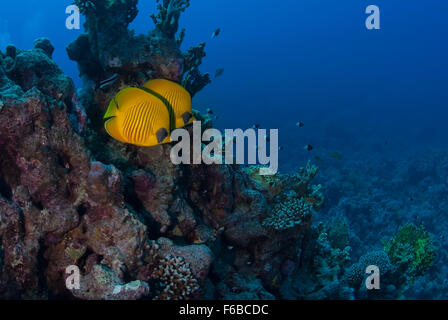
x=134, y=224
x=375, y=198
x=139, y=227
x=319, y=273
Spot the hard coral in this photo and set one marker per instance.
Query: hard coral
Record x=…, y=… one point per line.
x=357, y=272
x=193, y=80
x=167, y=20
x=271, y=183
x=103, y=283
x=411, y=250
x=176, y=279
x=289, y=214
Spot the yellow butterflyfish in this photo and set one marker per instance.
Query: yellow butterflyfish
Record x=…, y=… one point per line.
x=177, y=96
x=137, y=117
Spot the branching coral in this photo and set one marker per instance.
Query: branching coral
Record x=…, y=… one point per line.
x=299, y=183
x=301, y=180
x=176, y=279
x=288, y=214
x=272, y=183
x=129, y=7
x=193, y=80
x=167, y=20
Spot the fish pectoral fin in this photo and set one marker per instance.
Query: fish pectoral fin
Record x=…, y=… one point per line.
x=161, y=135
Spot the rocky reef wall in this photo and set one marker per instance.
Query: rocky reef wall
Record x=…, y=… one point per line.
x=136, y=225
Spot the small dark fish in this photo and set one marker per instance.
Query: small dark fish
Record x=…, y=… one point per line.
x=300, y=124
x=308, y=147
x=280, y=148
x=209, y=111
x=216, y=33
x=268, y=139
x=335, y=155
x=219, y=72
x=256, y=126
x=109, y=81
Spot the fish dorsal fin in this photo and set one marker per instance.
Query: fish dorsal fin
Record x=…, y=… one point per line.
x=127, y=97
x=166, y=103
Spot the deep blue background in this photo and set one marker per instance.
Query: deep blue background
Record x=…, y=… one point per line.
x=309, y=60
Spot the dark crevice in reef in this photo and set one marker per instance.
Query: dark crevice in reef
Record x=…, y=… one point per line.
x=9, y=175
x=130, y=197
x=134, y=203
x=38, y=205
x=63, y=161
x=82, y=262
x=5, y=190
x=81, y=210
x=42, y=264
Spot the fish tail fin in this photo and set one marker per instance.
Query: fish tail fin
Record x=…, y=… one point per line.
x=112, y=109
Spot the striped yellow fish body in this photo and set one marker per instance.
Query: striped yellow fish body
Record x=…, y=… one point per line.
x=137, y=117
x=176, y=96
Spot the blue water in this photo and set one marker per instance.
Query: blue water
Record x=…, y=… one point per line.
x=308, y=60
x=379, y=98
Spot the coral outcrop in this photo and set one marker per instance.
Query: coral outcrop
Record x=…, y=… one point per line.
x=134, y=224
